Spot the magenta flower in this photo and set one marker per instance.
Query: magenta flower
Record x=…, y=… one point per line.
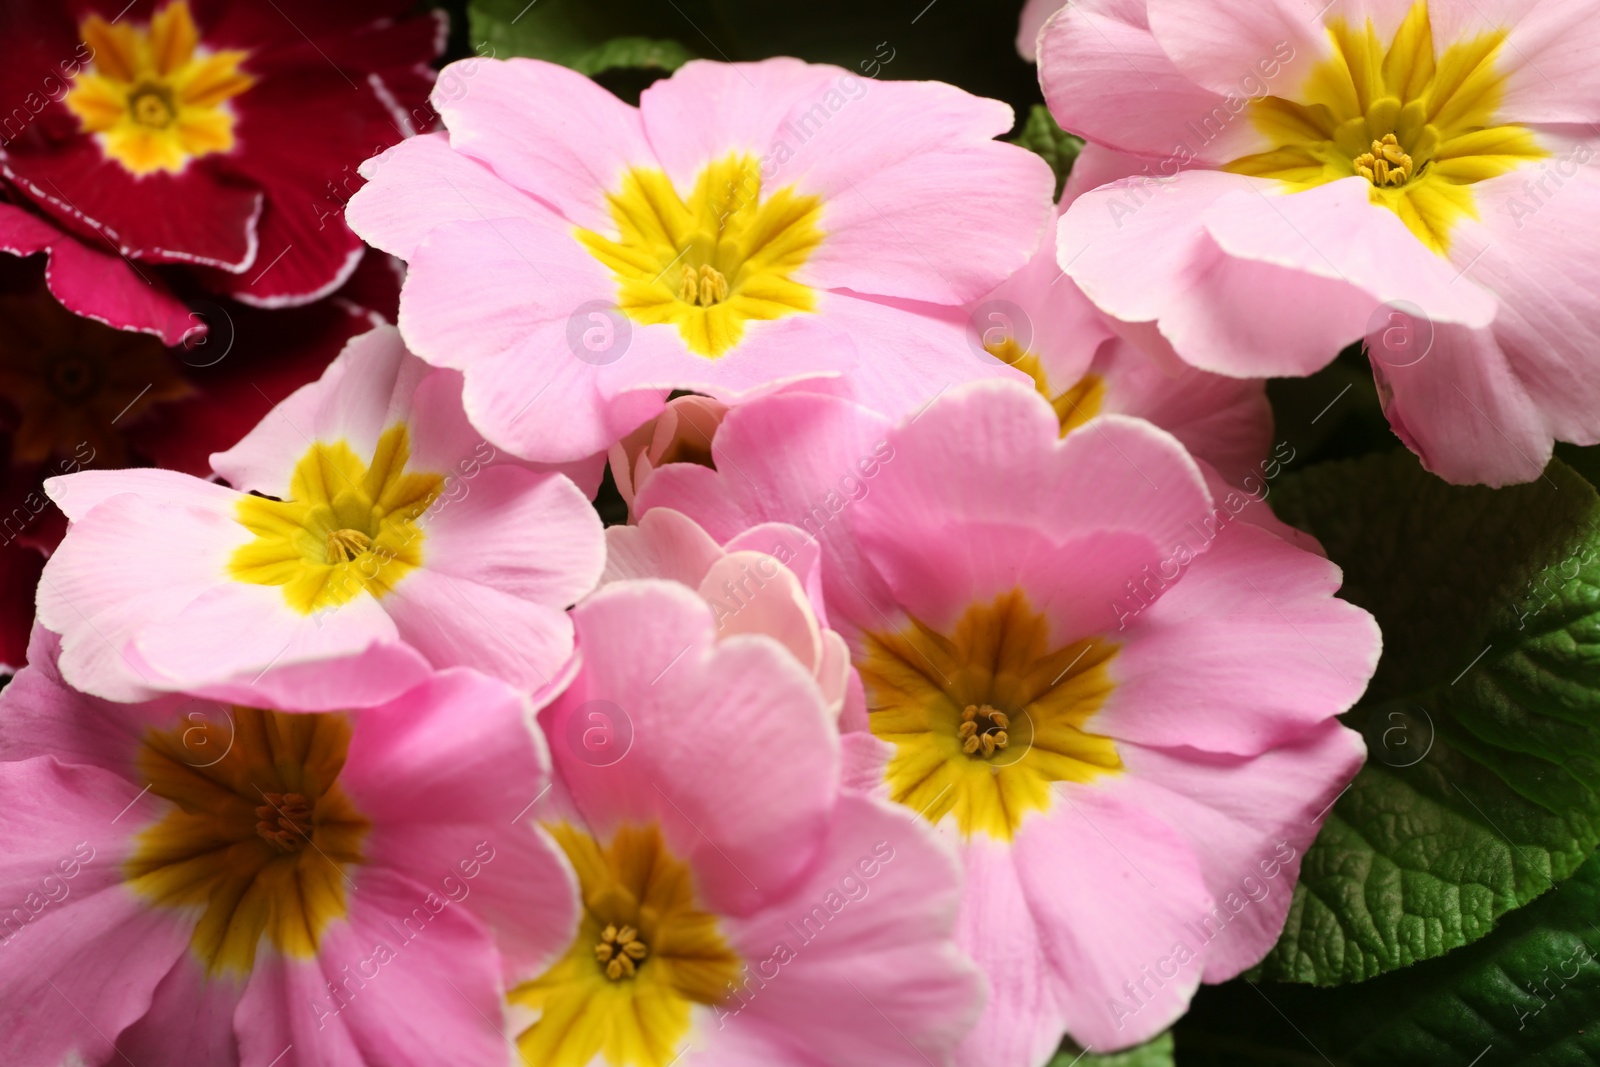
x=1117, y=701
x=746, y=225
x=200, y=883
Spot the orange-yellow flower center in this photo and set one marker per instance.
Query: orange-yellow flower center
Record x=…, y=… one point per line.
x=1075, y=403
x=153, y=96
x=985, y=716
x=646, y=952
x=259, y=835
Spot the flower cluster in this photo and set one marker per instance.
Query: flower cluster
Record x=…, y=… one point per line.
x=946, y=688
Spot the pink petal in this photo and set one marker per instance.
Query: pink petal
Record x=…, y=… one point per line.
x=496, y=300
x=983, y=452
x=568, y=151
x=664, y=544
x=365, y=390
x=1253, y=618
x=1022, y=1020
x=750, y=102
x=1464, y=409
x=190, y=1019
x=916, y=352
x=130, y=560
x=1249, y=821
x=1106, y=78
x=528, y=535
x=1034, y=15
x=422, y=183
x=652, y=661
x=869, y=927
x=431, y=998
x=453, y=621
x=447, y=774
x=87, y=962
x=1098, y=855
x=1245, y=48
x=751, y=593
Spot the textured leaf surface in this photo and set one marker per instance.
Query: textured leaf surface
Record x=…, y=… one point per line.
x=581, y=34
x=1154, y=1053
x=1480, y=790
x=1528, y=995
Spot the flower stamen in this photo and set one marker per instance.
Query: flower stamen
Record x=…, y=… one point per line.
x=285, y=821
x=1387, y=165
x=619, y=952
x=346, y=545
x=983, y=730
x=706, y=287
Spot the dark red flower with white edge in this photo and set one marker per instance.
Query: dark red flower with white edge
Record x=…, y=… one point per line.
x=223, y=135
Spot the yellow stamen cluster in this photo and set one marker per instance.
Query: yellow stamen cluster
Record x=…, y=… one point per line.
x=983, y=730
x=346, y=545
x=620, y=951
x=1387, y=165
x=704, y=288
x=285, y=820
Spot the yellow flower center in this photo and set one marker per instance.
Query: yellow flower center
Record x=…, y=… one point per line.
x=996, y=676
x=1420, y=124
x=1074, y=405
x=154, y=97
x=260, y=836
x=714, y=262
x=348, y=526
x=646, y=952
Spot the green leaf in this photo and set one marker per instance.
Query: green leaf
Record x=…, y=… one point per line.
x=581, y=34
x=1480, y=791
x=1528, y=995
x=1154, y=1053
x=638, y=53
x=1058, y=147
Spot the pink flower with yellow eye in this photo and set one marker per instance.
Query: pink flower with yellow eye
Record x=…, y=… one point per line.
x=745, y=226
x=733, y=894
x=370, y=537
x=1412, y=173
x=207, y=883
x=1116, y=703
